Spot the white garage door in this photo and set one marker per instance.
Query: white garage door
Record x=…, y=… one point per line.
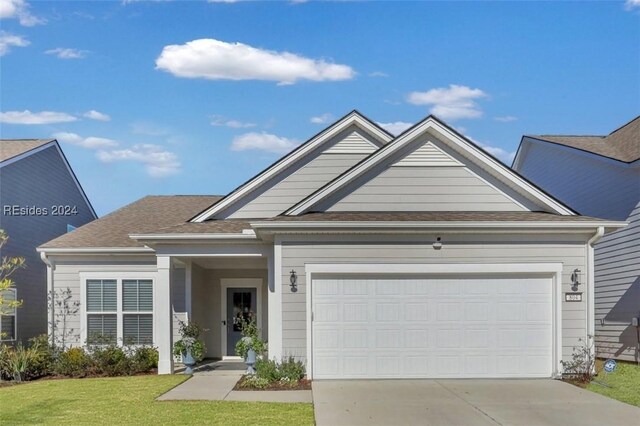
x=423, y=328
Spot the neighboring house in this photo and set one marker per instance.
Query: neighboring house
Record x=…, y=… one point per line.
x=364, y=255
x=41, y=199
x=599, y=176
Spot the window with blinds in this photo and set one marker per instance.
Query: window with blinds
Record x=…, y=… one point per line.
x=102, y=296
x=102, y=329
x=8, y=316
x=137, y=296
x=138, y=329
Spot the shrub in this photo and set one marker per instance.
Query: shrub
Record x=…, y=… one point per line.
x=292, y=370
x=73, y=362
x=20, y=362
x=268, y=370
x=44, y=355
x=254, y=382
x=5, y=369
x=250, y=339
x=190, y=341
x=110, y=360
x=582, y=365
x=288, y=370
x=144, y=358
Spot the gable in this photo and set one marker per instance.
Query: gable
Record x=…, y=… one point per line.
x=426, y=146
x=426, y=177
x=334, y=157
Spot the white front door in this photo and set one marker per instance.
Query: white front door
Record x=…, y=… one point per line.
x=432, y=327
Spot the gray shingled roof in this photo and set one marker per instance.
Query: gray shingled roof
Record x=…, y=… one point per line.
x=432, y=216
x=10, y=148
x=147, y=215
x=622, y=144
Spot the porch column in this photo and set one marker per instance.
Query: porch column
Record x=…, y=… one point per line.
x=162, y=315
x=275, y=301
x=187, y=289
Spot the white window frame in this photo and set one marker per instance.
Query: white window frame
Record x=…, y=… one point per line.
x=227, y=283
x=14, y=315
x=119, y=277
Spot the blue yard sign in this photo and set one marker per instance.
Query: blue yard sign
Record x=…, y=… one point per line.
x=610, y=365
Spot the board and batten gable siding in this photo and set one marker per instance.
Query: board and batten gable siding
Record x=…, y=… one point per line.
x=592, y=185
x=66, y=275
x=39, y=180
x=303, y=178
x=570, y=250
x=617, y=281
x=426, y=176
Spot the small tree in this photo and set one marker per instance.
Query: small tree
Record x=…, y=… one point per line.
x=8, y=266
x=64, y=307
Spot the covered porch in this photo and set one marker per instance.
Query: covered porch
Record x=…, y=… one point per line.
x=215, y=286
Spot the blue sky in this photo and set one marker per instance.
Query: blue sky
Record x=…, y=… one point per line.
x=196, y=97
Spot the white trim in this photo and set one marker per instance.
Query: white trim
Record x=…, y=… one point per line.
x=188, y=286
x=14, y=315
x=554, y=270
x=88, y=250
x=119, y=277
x=591, y=288
x=501, y=170
x=228, y=236
x=275, y=304
x=350, y=119
x=226, y=283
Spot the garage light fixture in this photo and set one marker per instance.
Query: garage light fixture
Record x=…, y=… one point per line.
x=293, y=281
x=438, y=244
x=575, y=279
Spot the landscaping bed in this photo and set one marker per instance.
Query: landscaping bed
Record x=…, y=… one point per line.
x=247, y=384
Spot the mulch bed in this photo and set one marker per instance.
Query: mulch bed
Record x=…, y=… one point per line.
x=303, y=384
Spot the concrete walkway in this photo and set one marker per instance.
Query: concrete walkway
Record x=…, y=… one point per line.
x=215, y=382
x=465, y=402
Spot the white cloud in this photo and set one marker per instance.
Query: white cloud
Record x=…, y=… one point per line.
x=396, y=127
x=322, y=119
x=66, y=53
x=631, y=4
x=263, y=142
x=7, y=41
x=220, y=121
x=19, y=9
x=90, y=142
x=378, y=74
x=506, y=118
x=158, y=162
x=450, y=103
x=96, y=115
x=502, y=154
x=42, y=117
x=217, y=60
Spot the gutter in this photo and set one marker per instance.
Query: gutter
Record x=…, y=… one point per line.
x=50, y=295
x=591, y=286
x=95, y=250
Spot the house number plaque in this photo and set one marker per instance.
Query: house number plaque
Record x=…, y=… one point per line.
x=573, y=297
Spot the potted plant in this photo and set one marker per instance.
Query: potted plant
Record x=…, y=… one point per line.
x=190, y=347
x=250, y=346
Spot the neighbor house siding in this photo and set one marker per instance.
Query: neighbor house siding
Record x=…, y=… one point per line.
x=570, y=250
x=40, y=180
x=617, y=262
x=67, y=276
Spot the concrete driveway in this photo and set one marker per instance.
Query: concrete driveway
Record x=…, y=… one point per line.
x=465, y=402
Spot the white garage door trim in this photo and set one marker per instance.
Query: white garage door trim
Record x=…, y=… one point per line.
x=552, y=270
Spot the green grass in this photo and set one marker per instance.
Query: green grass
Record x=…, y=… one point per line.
x=624, y=382
x=131, y=401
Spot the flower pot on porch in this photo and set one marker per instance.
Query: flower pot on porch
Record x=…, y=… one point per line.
x=188, y=361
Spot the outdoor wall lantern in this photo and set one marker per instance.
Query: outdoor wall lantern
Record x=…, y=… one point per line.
x=575, y=279
x=293, y=281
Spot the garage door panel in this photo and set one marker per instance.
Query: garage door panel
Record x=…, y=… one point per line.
x=386, y=328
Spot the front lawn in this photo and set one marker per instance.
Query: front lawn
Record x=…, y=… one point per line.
x=624, y=382
x=131, y=401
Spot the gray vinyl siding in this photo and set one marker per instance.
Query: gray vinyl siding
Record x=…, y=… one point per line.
x=67, y=276
x=426, y=189
x=301, y=179
x=599, y=187
x=617, y=262
x=42, y=180
x=570, y=250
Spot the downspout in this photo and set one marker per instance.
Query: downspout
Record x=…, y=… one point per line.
x=591, y=287
x=50, y=294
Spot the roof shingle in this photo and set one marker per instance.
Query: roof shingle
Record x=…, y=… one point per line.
x=10, y=148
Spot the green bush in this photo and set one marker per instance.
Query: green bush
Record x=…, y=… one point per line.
x=289, y=370
x=268, y=370
x=44, y=355
x=255, y=382
x=292, y=370
x=250, y=339
x=144, y=359
x=190, y=341
x=110, y=360
x=5, y=365
x=73, y=362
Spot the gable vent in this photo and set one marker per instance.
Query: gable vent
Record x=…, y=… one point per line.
x=428, y=155
x=354, y=143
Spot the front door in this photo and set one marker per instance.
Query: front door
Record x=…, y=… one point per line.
x=241, y=305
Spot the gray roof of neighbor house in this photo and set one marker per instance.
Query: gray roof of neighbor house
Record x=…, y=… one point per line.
x=10, y=148
x=623, y=144
x=149, y=214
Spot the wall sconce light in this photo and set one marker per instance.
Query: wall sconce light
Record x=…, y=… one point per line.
x=438, y=244
x=293, y=281
x=575, y=279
